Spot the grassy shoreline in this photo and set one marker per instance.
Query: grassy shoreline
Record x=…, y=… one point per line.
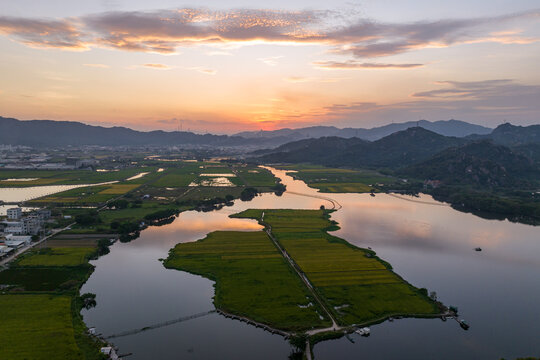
x=362, y=278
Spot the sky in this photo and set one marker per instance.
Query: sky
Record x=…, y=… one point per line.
x=230, y=66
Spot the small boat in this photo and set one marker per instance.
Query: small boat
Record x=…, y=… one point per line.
x=464, y=324
x=365, y=331
x=372, y=194
x=478, y=249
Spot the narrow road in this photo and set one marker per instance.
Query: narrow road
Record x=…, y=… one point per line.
x=20, y=251
x=300, y=273
x=335, y=204
x=418, y=201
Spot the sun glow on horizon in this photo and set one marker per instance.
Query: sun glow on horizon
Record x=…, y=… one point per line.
x=251, y=69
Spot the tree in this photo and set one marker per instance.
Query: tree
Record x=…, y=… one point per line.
x=248, y=194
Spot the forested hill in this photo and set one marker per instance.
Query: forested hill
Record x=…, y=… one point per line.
x=480, y=164
x=512, y=135
x=399, y=149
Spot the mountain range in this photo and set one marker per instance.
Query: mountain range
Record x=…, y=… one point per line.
x=64, y=133
x=452, y=127
x=400, y=149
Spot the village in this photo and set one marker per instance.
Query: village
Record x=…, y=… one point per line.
x=17, y=231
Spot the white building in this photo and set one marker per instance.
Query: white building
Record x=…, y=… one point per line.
x=14, y=213
x=13, y=227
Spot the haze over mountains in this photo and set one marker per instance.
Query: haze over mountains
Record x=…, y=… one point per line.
x=64, y=133
x=443, y=127
x=507, y=147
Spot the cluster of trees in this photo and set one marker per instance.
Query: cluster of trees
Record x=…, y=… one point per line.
x=248, y=194
x=88, y=218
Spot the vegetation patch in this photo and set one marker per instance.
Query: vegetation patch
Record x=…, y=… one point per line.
x=62, y=256
x=335, y=180
x=37, y=327
x=356, y=285
x=252, y=279
x=44, y=279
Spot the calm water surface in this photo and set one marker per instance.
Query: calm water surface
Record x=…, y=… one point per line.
x=428, y=243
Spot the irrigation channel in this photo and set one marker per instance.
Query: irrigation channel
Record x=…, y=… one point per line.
x=429, y=246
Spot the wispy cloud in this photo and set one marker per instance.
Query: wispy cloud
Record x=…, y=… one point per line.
x=355, y=65
x=102, y=66
x=491, y=101
x=164, y=31
x=157, y=66
x=270, y=61
x=62, y=34
x=304, y=79
x=203, y=70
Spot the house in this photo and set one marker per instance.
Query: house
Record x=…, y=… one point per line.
x=31, y=225
x=14, y=213
x=13, y=227
x=5, y=250
x=43, y=214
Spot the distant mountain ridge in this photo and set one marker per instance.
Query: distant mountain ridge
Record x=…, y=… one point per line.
x=65, y=133
x=513, y=135
x=451, y=127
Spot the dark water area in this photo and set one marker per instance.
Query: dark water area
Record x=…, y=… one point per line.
x=428, y=243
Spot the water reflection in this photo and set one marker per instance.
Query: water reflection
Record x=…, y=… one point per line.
x=33, y=192
x=430, y=246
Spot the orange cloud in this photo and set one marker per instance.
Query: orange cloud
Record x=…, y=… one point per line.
x=165, y=30
x=157, y=66
x=354, y=65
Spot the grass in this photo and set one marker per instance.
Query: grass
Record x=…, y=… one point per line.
x=88, y=195
x=336, y=180
x=62, y=256
x=357, y=286
x=252, y=278
x=65, y=177
x=254, y=176
x=37, y=327
x=44, y=279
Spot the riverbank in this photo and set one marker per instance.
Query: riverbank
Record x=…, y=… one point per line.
x=338, y=282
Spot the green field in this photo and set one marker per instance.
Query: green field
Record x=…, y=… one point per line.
x=88, y=195
x=252, y=278
x=43, y=279
x=336, y=180
x=37, y=327
x=63, y=256
x=254, y=176
x=357, y=286
x=65, y=177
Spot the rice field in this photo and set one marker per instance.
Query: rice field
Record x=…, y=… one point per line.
x=62, y=256
x=37, y=327
x=252, y=278
x=337, y=180
x=350, y=279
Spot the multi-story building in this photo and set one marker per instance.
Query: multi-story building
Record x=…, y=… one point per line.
x=14, y=213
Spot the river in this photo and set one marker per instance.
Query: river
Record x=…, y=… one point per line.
x=431, y=245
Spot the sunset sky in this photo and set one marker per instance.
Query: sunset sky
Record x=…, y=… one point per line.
x=228, y=66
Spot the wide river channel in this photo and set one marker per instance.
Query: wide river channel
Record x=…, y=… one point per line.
x=428, y=243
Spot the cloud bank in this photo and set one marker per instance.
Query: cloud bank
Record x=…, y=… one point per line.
x=164, y=31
